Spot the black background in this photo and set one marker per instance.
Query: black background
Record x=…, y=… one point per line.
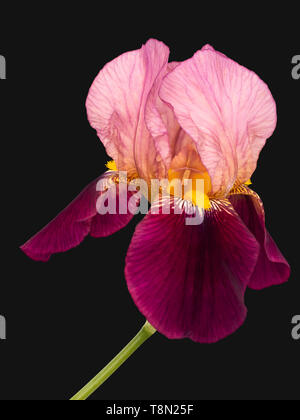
x=66, y=319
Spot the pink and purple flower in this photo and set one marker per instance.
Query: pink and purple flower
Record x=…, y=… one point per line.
x=207, y=119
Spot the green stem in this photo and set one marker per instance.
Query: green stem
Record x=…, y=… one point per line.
x=146, y=332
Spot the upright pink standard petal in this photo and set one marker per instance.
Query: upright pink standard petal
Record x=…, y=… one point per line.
x=116, y=108
x=189, y=281
x=271, y=268
x=227, y=110
x=161, y=122
x=74, y=223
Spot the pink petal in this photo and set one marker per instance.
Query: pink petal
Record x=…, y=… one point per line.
x=271, y=268
x=116, y=107
x=171, y=141
x=189, y=281
x=74, y=223
x=227, y=110
x=161, y=121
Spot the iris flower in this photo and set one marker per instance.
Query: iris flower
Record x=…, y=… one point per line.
x=206, y=118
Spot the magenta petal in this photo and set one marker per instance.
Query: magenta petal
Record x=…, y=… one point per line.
x=74, y=223
x=189, y=281
x=271, y=268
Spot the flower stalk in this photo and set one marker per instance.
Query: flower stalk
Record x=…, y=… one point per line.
x=144, y=334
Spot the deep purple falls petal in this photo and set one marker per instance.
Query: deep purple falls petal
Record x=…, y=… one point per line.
x=271, y=268
x=74, y=223
x=189, y=281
